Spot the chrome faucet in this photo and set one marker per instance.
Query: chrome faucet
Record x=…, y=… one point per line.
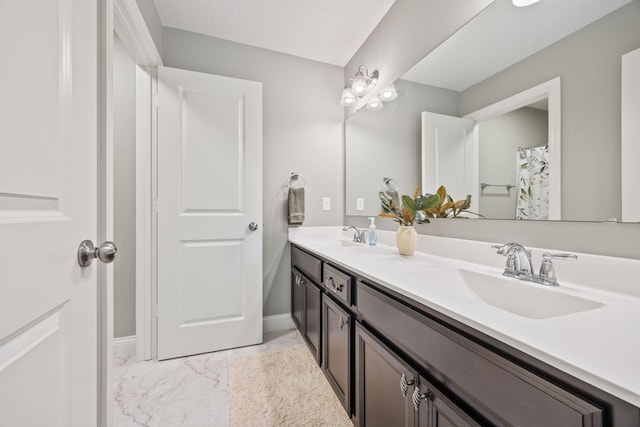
x=358, y=235
x=520, y=265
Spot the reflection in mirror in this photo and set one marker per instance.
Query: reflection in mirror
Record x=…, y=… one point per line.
x=502, y=52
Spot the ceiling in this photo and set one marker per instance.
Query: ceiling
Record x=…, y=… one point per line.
x=502, y=35
x=329, y=31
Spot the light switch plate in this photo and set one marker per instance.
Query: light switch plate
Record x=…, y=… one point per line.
x=359, y=204
x=326, y=203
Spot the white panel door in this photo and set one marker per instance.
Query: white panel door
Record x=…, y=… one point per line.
x=209, y=192
x=48, y=142
x=449, y=155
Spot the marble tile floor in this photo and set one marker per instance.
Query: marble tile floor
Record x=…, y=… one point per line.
x=189, y=391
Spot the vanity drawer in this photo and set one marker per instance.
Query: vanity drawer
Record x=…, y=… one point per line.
x=338, y=284
x=502, y=391
x=307, y=263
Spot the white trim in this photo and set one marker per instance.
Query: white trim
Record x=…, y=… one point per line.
x=630, y=132
x=277, y=322
x=124, y=346
x=143, y=213
x=552, y=91
x=105, y=211
x=130, y=26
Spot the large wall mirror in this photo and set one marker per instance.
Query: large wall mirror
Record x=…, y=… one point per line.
x=463, y=118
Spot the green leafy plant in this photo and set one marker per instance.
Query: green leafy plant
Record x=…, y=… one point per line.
x=420, y=208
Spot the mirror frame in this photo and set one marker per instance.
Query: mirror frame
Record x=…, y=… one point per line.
x=552, y=91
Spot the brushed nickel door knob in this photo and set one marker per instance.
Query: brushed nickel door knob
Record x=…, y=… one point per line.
x=106, y=253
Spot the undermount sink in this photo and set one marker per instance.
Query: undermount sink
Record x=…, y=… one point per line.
x=523, y=299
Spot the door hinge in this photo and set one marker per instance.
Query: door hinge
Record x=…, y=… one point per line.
x=154, y=205
x=155, y=311
x=154, y=100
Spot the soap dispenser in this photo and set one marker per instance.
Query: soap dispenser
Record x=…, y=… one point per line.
x=373, y=235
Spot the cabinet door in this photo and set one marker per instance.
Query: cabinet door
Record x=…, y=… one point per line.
x=436, y=410
x=336, y=349
x=384, y=384
x=312, y=316
x=297, y=300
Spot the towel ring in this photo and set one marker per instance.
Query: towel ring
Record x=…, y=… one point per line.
x=296, y=177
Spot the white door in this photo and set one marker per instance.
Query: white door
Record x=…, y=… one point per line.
x=449, y=155
x=209, y=192
x=48, y=143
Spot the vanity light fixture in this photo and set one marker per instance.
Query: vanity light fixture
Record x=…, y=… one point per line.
x=358, y=86
x=524, y=3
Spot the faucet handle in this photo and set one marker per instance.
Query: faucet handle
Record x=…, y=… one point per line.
x=547, y=272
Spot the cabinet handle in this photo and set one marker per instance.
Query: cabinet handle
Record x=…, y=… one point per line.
x=404, y=384
x=298, y=280
x=342, y=322
x=418, y=397
x=333, y=287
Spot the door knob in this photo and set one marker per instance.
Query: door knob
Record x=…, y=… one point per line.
x=106, y=252
x=253, y=226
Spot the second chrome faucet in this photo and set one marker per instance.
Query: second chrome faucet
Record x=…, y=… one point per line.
x=520, y=265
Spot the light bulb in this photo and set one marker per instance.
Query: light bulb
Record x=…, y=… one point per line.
x=347, y=98
x=524, y=3
x=389, y=93
x=359, y=83
x=374, y=104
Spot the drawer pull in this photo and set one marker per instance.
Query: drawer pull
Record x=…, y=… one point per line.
x=418, y=397
x=342, y=322
x=333, y=287
x=404, y=384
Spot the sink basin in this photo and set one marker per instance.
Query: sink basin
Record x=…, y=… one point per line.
x=523, y=299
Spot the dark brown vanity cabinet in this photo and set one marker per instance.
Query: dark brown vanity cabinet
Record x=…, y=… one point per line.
x=390, y=392
x=336, y=349
x=306, y=297
x=436, y=410
x=395, y=362
x=306, y=310
x=384, y=384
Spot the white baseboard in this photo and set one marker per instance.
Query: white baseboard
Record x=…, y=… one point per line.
x=124, y=346
x=277, y=322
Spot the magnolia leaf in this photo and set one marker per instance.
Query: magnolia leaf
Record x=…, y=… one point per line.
x=460, y=204
x=407, y=216
x=431, y=201
x=433, y=212
x=409, y=203
x=387, y=215
x=417, y=192
x=446, y=206
x=442, y=192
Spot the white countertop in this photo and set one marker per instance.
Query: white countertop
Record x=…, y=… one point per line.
x=599, y=346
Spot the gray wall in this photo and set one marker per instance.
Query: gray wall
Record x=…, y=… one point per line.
x=409, y=30
x=124, y=124
x=302, y=132
x=597, y=238
x=386, y=143
x=500, y=138
x=589, y=63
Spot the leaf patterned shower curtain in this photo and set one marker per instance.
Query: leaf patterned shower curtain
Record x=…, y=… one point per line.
x=533, y=183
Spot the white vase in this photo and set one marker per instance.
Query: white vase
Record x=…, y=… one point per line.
x=406, y=240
